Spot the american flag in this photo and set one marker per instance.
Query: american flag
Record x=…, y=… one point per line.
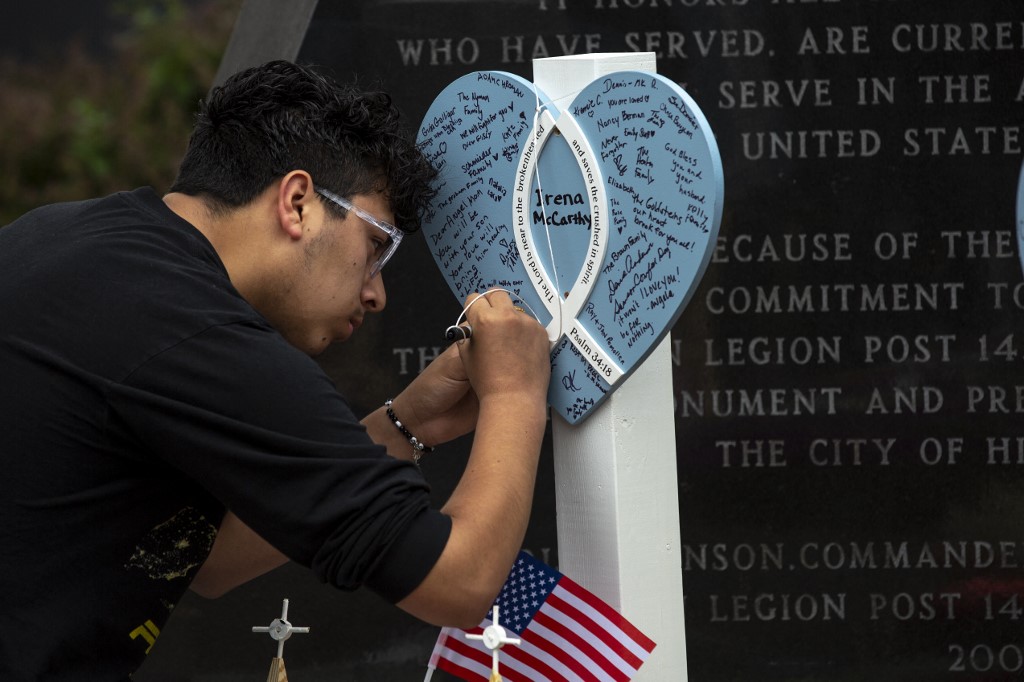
x=567, y=634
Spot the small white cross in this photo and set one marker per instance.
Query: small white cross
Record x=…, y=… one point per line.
x=494, y=637
x=280, y=629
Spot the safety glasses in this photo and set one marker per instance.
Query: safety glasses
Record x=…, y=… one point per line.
x=385, y=250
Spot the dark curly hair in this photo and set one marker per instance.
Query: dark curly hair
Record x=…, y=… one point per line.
x=268, y=120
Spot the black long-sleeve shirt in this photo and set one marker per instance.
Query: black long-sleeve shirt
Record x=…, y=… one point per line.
x=140, y=397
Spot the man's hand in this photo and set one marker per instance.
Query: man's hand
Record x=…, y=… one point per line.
x=439, y=405
x=506, y=359
x=509, y=352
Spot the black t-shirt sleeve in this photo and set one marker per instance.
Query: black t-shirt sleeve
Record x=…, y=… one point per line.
x=262, y=429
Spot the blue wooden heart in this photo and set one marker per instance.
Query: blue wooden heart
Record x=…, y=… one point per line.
x=601, y=216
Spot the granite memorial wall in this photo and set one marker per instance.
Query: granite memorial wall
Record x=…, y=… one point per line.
x=848, y=375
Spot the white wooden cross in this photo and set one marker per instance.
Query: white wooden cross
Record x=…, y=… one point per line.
x=616, y=489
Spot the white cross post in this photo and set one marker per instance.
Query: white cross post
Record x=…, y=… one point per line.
x=615, y=473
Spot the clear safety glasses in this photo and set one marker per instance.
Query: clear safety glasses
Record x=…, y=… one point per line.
x=387, y=248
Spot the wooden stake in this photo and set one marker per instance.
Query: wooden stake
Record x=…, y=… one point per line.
x=277, y=671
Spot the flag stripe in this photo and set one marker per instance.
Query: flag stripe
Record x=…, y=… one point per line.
x=472, y=672
x=439, y=646
x=442, y=637
x=543, y=665
x=579, y=644
x=471, y=650
x=554, y=650
x=614, y=651
x=514, y=674
x=568, y=654
x=614, y=642
x=462, y=663
x=609, y=618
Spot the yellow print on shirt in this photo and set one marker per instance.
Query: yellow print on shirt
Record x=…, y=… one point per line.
x=147, y=631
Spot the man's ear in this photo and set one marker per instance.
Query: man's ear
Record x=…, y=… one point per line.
x=295, y=193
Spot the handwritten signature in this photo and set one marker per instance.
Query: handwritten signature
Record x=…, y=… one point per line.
x=569, y=382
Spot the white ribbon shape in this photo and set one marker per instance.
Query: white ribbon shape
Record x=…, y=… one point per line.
x=565, y=311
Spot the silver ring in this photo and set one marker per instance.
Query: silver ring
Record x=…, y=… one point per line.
x=458, y=333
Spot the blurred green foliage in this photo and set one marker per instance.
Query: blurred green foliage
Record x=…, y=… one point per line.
x=84, y=125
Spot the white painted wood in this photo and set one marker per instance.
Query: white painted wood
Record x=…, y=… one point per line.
x=615, y=473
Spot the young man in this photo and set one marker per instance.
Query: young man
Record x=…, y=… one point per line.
x=163, y=424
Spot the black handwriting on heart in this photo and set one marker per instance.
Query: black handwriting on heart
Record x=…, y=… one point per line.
x=601, y=216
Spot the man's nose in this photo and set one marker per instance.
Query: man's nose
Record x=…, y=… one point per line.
x=374, y=295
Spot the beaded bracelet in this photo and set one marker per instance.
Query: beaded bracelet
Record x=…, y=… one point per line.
x=418, y=448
